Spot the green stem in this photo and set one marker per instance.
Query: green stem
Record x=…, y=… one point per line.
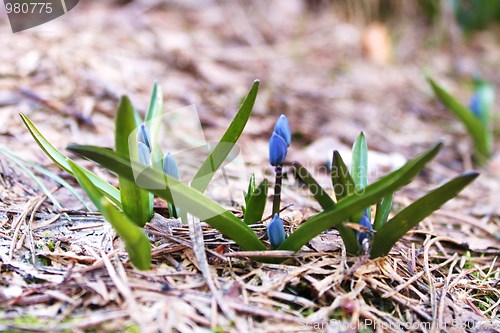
x=172, y=210
x=277, y=190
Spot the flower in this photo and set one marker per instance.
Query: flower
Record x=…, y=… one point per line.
x=364, y=237
x=170, y=166
x=475, y=105
x=280, y=141
x=282, y=128
x=482, y=100
x=144, y=154
x=143, y=136
x=277, y=150
x=276, y=231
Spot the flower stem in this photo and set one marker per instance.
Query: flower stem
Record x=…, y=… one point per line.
x=277, y=190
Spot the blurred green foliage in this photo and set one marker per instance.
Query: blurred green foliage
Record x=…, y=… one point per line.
x=471, y=15
x=474, y=15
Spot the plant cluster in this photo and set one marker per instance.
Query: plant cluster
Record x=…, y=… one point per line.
x=476, y=117
x=144, y=172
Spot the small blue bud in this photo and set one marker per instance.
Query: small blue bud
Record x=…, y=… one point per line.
x=364, y=237
x=170, y=166
x=144, y=154
x=475, y=105
x=282, y=128
x=277, y=150
x=143, y=136
x=276, y=231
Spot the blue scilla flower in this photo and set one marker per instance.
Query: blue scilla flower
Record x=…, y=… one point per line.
x=364, y=237
x=170, y=166
x=144, y=154
x=282, y=128
x=475, y=105
x=143, y=136
x=276, y=231
x=277, y=150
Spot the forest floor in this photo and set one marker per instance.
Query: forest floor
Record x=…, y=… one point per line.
x=63, y=269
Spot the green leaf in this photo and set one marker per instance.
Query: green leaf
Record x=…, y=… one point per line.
x=155, y=111
x=37, y=180
x=62, y=161
x=409, y=217
x=486, y=94
x=223, y=148
x=314, y=187
x=359, y=165
x=251, y=188
x=247, y=195
x=383, y=211
x=136, y=242
x=153, y=121
x=342, y=182
x=356, y=202
x=256, y=203
x=326, y=202
x=359, y=168
x=21, y=162
x=136, y=202
x=186, y=198
x=480, y=136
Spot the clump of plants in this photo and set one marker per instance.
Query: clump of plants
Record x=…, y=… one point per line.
x=375, y=234
x=144, y=172
x=476, y=117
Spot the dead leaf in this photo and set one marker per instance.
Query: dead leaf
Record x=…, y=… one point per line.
x=326, y=243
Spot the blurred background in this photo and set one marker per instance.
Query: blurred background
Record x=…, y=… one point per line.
x=335, y=68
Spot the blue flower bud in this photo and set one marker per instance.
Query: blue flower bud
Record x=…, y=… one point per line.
x=276, y=231
x=170, y=166
x=475, y=105
x=282, y=128
x=144, y=154
x=364, y=237
x=143, y=136
x=277, y=150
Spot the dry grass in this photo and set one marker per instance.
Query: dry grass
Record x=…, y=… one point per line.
x=64, y=270
x=82, y=280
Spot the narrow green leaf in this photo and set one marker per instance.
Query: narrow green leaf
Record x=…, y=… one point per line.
x=155, y=110
x=314, y=187
x=383, y=211
x=256, y=203
x=326, y=202
x=37, y=180
x=153, y=120
x=359, y=168
x=86, y=184
x=342, y=182
x=136, y=242
x=186, y=198
x=251, y=188
x=356, y=202
x=62, y=161
x=486, y=95
x=45, y=172
x=223, y=148
x=479, y=135
x=359, y=165
x=409, y=217
x=248, y=193
x=136, y=202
